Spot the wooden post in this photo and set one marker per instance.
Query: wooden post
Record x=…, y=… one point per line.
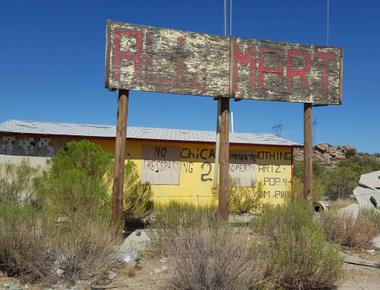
x=308, y=152
x=224, y=157
x=121, y=134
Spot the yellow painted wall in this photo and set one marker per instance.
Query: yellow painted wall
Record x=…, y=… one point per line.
x=273, y=167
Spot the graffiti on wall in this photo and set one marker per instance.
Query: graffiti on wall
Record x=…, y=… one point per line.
x=160, y=165
x=163, y=165
x=29, y=146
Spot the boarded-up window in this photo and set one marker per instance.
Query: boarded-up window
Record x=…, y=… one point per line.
x=243, y=167
x=160, y=164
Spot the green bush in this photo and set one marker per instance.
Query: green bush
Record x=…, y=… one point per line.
x=16, y=181
x=350, y=153
x=319, y=181
x=76, y=180
x=341, y=181
x=244, y=199
x=137, y=195
x=297, y=255
x=67, y=234
x=85, y=156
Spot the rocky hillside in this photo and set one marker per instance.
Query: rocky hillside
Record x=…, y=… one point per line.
x=327, y=154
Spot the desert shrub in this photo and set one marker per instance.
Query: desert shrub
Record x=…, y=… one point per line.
x=67, y=233
x=16, y=181
x=76, y=180
x=373, y=215
x=204, y=252
x=297, y=255
x=137, y=195
x=35, y=246
x=297, y=187
x=177, y=214
x=24, y=242
x=360, y=164
x=319, y=181
x=85, y=247
x=244, y=199
x=347, y=230
x=351, y=152
x=341, y=181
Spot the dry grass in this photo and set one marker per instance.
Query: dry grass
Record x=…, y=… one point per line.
x=347, y=230
x=204, y=252
x=36, y=247
x=340, y=203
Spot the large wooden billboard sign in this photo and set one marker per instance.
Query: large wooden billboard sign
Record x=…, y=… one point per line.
x=164, y=60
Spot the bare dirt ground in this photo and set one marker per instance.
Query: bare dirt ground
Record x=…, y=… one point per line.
x=153, y=274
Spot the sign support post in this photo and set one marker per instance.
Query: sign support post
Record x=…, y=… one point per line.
x=308, y=152
x=121, y=134
x=224, y=157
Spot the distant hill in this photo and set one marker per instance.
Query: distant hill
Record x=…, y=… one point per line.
x=330, y=155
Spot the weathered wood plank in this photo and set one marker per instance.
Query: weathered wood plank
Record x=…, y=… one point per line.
x=164, y=60
x=280, y=71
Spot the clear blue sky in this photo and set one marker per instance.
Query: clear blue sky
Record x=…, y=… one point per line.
x=52, y=64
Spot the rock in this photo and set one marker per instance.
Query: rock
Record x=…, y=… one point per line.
x=370, y=180
x=159, y=270
x=376, y=243
x=138, y=240
x=325, y=153
x=323, y=148
x=111, y=275
x=59, y=271
x=363, y=196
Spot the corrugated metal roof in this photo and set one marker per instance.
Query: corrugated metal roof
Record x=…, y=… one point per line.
x=91, y=130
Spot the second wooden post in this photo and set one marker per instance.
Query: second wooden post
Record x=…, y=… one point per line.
x=308, y=152
x=121, y=135
x=224, y=157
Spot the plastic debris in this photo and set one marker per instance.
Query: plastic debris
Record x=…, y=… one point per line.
x=128, y=256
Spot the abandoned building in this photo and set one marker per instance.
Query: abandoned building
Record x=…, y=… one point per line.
x=179, y=164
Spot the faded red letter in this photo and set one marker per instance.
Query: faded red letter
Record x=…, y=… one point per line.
x=267, y=69
x=180, y=66
x=325, y=70
x=301, y=72
x=133, y=56
x=151, y=76
x=245, y=58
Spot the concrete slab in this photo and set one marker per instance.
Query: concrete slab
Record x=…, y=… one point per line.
x=363, y=196
x=370, y=180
